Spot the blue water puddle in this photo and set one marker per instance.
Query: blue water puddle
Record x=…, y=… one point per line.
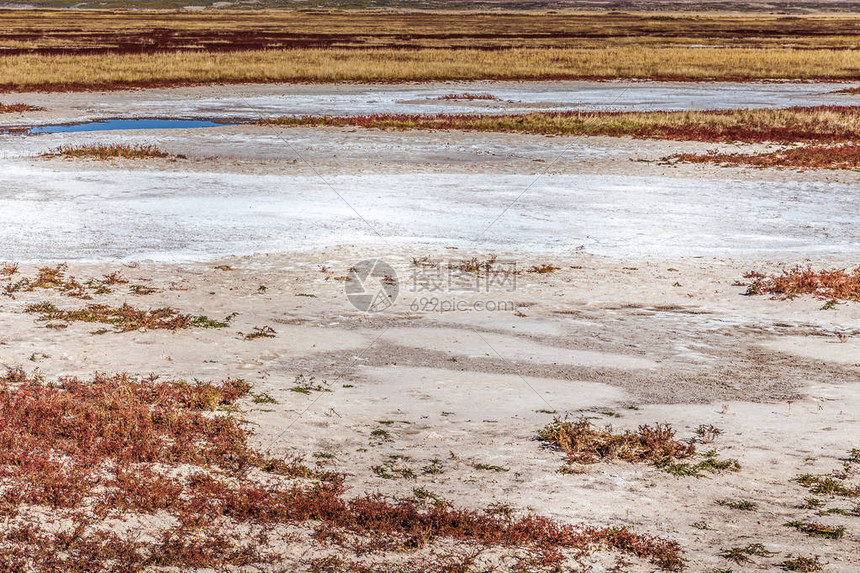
x=116, y=124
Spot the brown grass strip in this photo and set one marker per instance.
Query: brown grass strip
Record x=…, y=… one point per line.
x=101, y=152
x=810, y=157
x=818, y=124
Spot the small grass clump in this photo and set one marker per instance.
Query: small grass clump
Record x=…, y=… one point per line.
x=306, y=385
x=741, y=505
x=711, y=464
x=803, y=564
x=124, y=318
x=818, y=529
x=585, y=443
x=828, y=485
x=544, y=269
x=204, y=321
x=260, y=332
x=837, y=284
x=491, y=468
x=742, y=554
x=18, y=108
x=101, y=152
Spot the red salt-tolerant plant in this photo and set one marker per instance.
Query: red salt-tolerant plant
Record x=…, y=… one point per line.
x=806, y=157
x=115, y=446
x=836, y=284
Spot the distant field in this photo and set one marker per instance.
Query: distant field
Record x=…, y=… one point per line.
x=103, y=50
x=671, y=6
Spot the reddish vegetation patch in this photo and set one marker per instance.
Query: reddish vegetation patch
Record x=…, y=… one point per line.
x=115, y=450
x=826, y=284
x=18, y=108
x=809, y=157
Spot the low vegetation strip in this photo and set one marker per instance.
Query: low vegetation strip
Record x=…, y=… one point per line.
x=64, y=72
x=833, y=284
x=123, y=318
x=807, y=157
x=154, y=474
x=804, y=124
x=115, y=151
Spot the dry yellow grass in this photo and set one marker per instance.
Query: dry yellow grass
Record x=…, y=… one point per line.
x=35, y=71
x=812, y=124
x=106, y=50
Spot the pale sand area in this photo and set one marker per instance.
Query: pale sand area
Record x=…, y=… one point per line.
x=602, y=337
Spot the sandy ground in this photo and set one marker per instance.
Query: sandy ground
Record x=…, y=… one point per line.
x=645, y=321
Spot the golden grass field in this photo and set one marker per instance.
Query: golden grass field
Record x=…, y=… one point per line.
x=45, y=50
x=109, y=71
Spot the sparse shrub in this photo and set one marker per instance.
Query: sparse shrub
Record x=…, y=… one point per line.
x=708, y=433
x=805, y=564
x=585, y=443
x=825, y=284
x=544, y=269
x=306, y=385
x=260, y=332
